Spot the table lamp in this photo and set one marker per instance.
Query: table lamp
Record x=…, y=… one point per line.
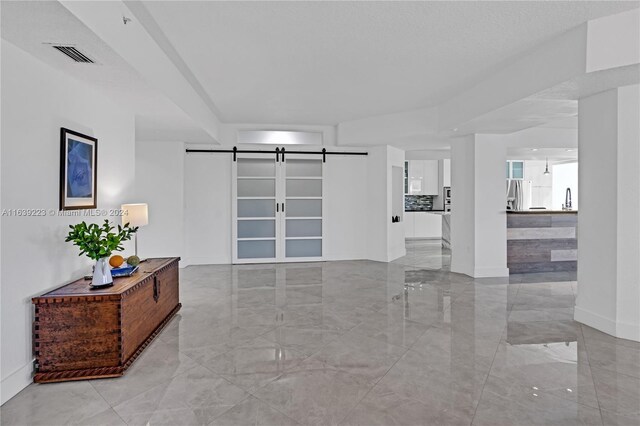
x=135, y=215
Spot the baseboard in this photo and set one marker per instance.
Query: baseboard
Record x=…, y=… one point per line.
x=460, y=269
x=203, y=260
x=490, y=272
x=15, y=382
x=193, y=261
x=597, y=321
x=397, y=255
x=622, y=330
x=337, y=258
x=629, y=331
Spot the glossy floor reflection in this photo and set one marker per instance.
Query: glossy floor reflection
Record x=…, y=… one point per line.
x=360, y=343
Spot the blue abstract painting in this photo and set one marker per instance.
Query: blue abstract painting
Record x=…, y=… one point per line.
x=79, y=169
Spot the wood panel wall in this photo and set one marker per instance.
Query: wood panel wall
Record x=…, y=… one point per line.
x=542, y=242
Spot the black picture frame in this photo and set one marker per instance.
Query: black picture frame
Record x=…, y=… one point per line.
x=78, y=170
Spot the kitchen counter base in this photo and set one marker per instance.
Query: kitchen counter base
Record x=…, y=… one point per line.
x=542, y=242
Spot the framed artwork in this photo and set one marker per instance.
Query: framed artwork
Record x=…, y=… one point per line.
x=78, y=170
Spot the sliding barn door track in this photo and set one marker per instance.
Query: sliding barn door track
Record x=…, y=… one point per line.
x=278, y=152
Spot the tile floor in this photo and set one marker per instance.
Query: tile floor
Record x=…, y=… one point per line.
x=360, y=343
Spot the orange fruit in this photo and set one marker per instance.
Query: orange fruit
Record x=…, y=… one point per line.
x=116, y=260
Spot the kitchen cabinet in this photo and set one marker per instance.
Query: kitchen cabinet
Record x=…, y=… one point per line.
x=409, y=224
x=423, y=177
x=422, y=225
x=428, y=225
x=446, y=172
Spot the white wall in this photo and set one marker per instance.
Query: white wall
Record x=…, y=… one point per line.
x=229, y=131
x=395, y=231
x=377, y=216
x=207, y=215
x=345, y=198
x=565, y=176
x=160, y=184
x=541, y=184
x=463, y=202
x=207, y=201
x=385, y=240
x=597, y=233
x=478, y=218
x=608, y=231
x=628, y=295
x=36, y=101
x=490, y=216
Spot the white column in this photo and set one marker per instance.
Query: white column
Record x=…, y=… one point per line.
x=478, y=199
x=608, y=219
x=385, y=240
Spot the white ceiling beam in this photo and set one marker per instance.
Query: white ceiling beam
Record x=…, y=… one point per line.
x=543, y=138
x=609, y=45
x=548, y=65
x=389, y=128
x=539, y=87
x=134, y=43
x=604, y=47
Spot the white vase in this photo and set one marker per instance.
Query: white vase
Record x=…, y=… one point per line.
x=102, y=273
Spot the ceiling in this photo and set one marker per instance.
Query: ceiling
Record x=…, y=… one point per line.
x=521, y=114
x=329, y=62
x=297, y=64
x=541, y=154
x=564, y=123
x=34, y=25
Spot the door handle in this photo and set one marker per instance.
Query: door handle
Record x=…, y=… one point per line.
x=277, y=207
x=282, y=207
x=156, y=289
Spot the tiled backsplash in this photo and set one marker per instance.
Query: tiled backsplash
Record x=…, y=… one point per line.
x=418, y=202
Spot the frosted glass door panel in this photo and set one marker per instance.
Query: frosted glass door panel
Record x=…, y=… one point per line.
x=253, y=167
x=256, y=187
x=256, y=208
x=304, y=248
x=304, y=168
x=304, y=188
x=304, y=208
x=277, y=210
x=256, y=229
x=304, y=227
x=259, y=249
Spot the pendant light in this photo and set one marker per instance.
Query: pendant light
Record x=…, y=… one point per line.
x=546, y=169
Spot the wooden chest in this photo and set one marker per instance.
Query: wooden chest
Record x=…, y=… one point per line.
x=81, y=333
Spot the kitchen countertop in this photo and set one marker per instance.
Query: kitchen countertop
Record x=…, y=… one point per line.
x=542, y=211
x=425, y=211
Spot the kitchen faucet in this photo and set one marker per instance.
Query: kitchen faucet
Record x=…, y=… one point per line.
x=567, y=200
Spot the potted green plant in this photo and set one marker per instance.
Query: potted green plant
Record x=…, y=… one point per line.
x=98, y=242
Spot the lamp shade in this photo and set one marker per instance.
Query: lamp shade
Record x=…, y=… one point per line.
x=135, y=214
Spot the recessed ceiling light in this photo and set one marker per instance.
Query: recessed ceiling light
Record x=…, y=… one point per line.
x=569, y=150
x=534, y=149
x=455, y=129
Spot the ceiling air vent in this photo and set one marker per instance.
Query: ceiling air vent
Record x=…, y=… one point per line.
x=74, y=54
